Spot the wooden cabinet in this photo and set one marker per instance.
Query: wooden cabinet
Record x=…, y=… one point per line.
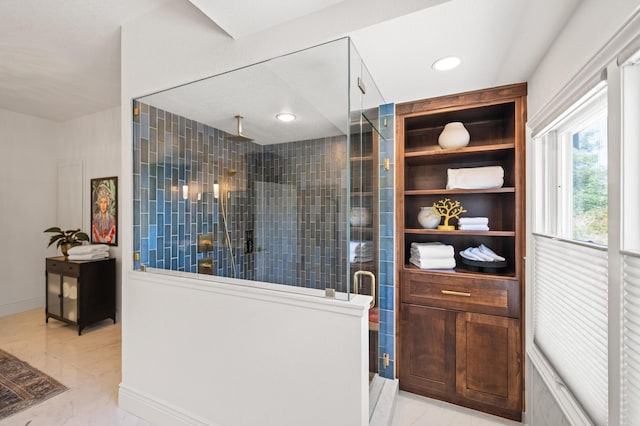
x=80, y=292
x=460, y=331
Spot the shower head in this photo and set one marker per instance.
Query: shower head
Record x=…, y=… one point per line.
x=231, y=172
x=239, y=136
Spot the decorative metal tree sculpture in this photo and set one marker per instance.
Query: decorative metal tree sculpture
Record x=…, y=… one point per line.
x=448, y=209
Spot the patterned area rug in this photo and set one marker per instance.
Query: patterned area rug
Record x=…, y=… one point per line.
x=22, y=386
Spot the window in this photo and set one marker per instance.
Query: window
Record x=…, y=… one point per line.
x=574, y=178
x=570, y=317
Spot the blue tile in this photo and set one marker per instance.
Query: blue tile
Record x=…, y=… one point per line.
x=136, y=213
x=136, y=238
x=144, y=225
x=144, y=200
x=387, y=297
x=144, y=251
x=152, y=237
x=386, y=316
x=387, y=109
x=136, y=187
x=144, y=125
x=160, y=223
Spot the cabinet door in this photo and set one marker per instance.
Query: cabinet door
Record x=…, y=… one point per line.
x=70, y=298
x=53, y=293
x=488, y=360
x=427, y=352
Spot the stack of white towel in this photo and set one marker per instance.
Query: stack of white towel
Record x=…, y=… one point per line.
x=89, y=252
x=432, y=256
x=473, y=224
x=360, y=251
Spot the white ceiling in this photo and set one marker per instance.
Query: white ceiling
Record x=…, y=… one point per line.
x=60, y=59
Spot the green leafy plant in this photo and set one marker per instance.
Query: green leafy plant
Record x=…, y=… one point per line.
x=71, y=236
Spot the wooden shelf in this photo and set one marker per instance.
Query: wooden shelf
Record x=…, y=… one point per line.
x=502, y=190
x=436, y=151
x=420, y=231
x=362, y=194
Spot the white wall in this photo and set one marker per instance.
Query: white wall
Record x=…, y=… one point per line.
x=200, y=352
x=94, y=141
x=34, y=151
x=593, y=24
x=28, y=147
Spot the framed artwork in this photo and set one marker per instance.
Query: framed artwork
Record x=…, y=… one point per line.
x=104, y=211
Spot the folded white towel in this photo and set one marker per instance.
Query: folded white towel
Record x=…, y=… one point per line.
x=481, y=253
x=418, y=255
x=88, y=249
x=475, y=177
x=360, y=249
x=434, y=263
x=89, y=256
x=65, y=290
x=473, y=227
x=473, y=221
x=435, y=250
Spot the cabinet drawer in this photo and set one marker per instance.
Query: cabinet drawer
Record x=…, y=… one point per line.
x=487, y=296
x=54, y=266
x=71, y=269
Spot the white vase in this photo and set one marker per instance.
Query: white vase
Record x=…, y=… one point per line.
x=360, y=216
x=454, y=135
x=428, y=217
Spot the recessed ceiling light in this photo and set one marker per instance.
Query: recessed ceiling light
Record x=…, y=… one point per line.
x=285, y=116
x=448, y=63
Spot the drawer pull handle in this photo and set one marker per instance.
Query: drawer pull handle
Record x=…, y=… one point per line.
x=456, y=293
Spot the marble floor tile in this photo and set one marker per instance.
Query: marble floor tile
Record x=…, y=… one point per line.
x=415, y=410
x=89, y=365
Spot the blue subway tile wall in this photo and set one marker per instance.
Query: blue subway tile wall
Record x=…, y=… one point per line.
x=290, y=198
x=177, y=161
x=387, y=241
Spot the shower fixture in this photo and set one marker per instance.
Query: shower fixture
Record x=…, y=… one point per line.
x=224, y=207
x=239, y=136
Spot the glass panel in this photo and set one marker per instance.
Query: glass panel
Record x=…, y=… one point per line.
x=53, y=293
x=70, y=298
x=222, y=187
x=590, y=180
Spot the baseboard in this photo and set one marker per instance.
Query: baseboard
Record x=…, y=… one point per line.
x=386, y=403
x=154, y=411
x=21, y=306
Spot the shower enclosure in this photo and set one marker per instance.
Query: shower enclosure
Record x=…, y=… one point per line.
x=223, y=187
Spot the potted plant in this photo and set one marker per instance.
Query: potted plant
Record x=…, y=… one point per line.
x=66, y=239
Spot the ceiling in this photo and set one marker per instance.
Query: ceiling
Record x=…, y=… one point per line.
x=61, y=60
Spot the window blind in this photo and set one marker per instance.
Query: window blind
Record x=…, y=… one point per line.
x=570, y=318
x=631, y=340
